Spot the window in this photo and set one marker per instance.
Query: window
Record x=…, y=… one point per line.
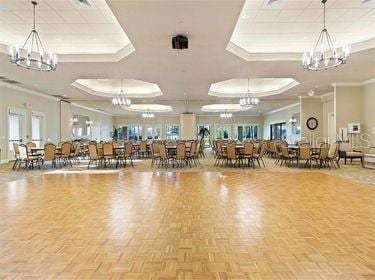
x=172, y=131
x=278, y=131
x=15, y=129
x=153, y=132
x=36, y=130
x=246, y=132
x=130, y=132
x=206, y=138
x=223, y=131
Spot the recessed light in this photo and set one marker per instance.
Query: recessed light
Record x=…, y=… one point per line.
x=316, y=86
x=36, y=85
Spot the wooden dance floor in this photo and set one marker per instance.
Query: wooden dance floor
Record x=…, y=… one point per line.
x=187, y=225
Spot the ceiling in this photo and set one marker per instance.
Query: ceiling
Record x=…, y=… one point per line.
x=293, y=26
x=185, y=77
x=64, y=26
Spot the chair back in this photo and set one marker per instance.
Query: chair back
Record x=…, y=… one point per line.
x=49, y=151
x=163, y=151
x=30, y=145
x=128, y=149
x=181, y=151
x=345, y=147
x=16, y=151
x=155, y=148
x=333, y=150
x=248, y=148
x=284, y=151
x=231, y=150
x=93, y=152
x=116, y=145
x=77, y=149
x=304, y=152
x=143, y=147
x=66, y=148
x=198, y=147
x=324, y=148
x=192, y=147
x=261, y=149
x=219, y=148
x=107, y=149
x=22, y=151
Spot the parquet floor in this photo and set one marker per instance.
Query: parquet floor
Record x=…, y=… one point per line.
x=187, y=225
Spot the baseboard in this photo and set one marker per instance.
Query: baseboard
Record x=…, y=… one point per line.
x=4, y=161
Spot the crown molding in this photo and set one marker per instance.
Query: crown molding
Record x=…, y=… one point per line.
x=91, y=109
x=114, y=57
x=282, y=108
x=233, y=116
x=295, y=56
x=29, y=91
x=353, y=84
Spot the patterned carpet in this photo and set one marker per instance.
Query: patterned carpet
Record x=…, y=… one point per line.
x=353, y=172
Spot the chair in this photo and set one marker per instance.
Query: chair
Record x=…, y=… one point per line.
x=258, y=154
x=231, y=154
x=128, y=153
x=191, y=152
x=333, y=155
x=248, y=153
x=143, y=149
x=322, y=157
x=108, y=153
x=155, y=153
x=347, y=152
x=16, y=156
x=66, y=148
x=164, y=157
x=181, y=155
x=49, y=154
x=287, y=157
x=304, y=154
x=26, y=158
x=220, y=154
x=94, y=156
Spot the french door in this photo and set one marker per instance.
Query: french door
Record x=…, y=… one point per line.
x=16, y=128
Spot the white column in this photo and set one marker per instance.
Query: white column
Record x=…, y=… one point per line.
x=188, y=126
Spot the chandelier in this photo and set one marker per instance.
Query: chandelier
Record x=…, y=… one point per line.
x=248, y=100
x=226, y=115
x=324, y=55
x=122, y=100
x=148, y=115
x=32, y=54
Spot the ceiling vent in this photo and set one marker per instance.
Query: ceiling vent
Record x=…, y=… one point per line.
x=180, y=42
x=270, y=2
x=83, y=4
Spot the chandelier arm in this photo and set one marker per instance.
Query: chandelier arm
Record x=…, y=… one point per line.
x=40, y=42
x=317, y=42
x=32, y=42
x=28, y=37
x=330, y=41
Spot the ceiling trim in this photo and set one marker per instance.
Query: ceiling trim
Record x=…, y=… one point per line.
x=91, y=109
x=234, y=115
x=241, y=52
x=109, y=95
x=115, y=57
x=351, y=84
x=29, y=91
x=282, y=108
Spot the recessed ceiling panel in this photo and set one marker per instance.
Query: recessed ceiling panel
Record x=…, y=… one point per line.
x=153, y=108
x=112, y=87
x=257, y=87
x=292, y=26
x=64, y=26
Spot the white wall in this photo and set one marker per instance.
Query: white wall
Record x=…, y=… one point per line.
x=368, y=112
x=280, y=116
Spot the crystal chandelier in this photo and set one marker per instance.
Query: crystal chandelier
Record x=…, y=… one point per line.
x=32, y=54
x=248, y=100
x=324, y=55
x=226, y=115
x=122, y=100
x=148, y=115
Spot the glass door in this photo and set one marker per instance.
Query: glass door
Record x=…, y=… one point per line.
x=16, y=128
x=153, y=132
x=202, y=131
x=37, y=129
x=172, y=131
x=223, y=131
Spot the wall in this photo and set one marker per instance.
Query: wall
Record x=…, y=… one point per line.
x=16, y=97
x=188, y=126
x=279, y=116
x=328, y=107
x=158, y=120
x=311, y=107
x=368, y=112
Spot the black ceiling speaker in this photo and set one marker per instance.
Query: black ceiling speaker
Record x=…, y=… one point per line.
x=180, y=42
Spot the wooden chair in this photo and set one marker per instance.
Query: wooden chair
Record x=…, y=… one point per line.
x=49, y=154
x=143, y=149
x=128, y=153
x=155, y=153
x=248, y=153
x=258, y=154
x=108, y=153
x=16, y=156
x=27, y=159
x=333, y=158
x=65, y=156
x=287, y=157
x=304, y=154
x=231, y=154
x=322, y=158
x=94, y=156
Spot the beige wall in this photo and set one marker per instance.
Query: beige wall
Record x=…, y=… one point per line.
x=328, y=107
x=188, y=126
x=311, y=107
x=278, y=117
x=368, y=112
x=31, y=101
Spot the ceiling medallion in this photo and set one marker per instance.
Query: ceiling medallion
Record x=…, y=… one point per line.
x=248, y=100
x=32, y=54
x=324, y=55
x=226, y=115
x=122, y=100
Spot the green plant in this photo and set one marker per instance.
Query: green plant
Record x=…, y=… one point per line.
x=203, y=132
x=115, y=133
